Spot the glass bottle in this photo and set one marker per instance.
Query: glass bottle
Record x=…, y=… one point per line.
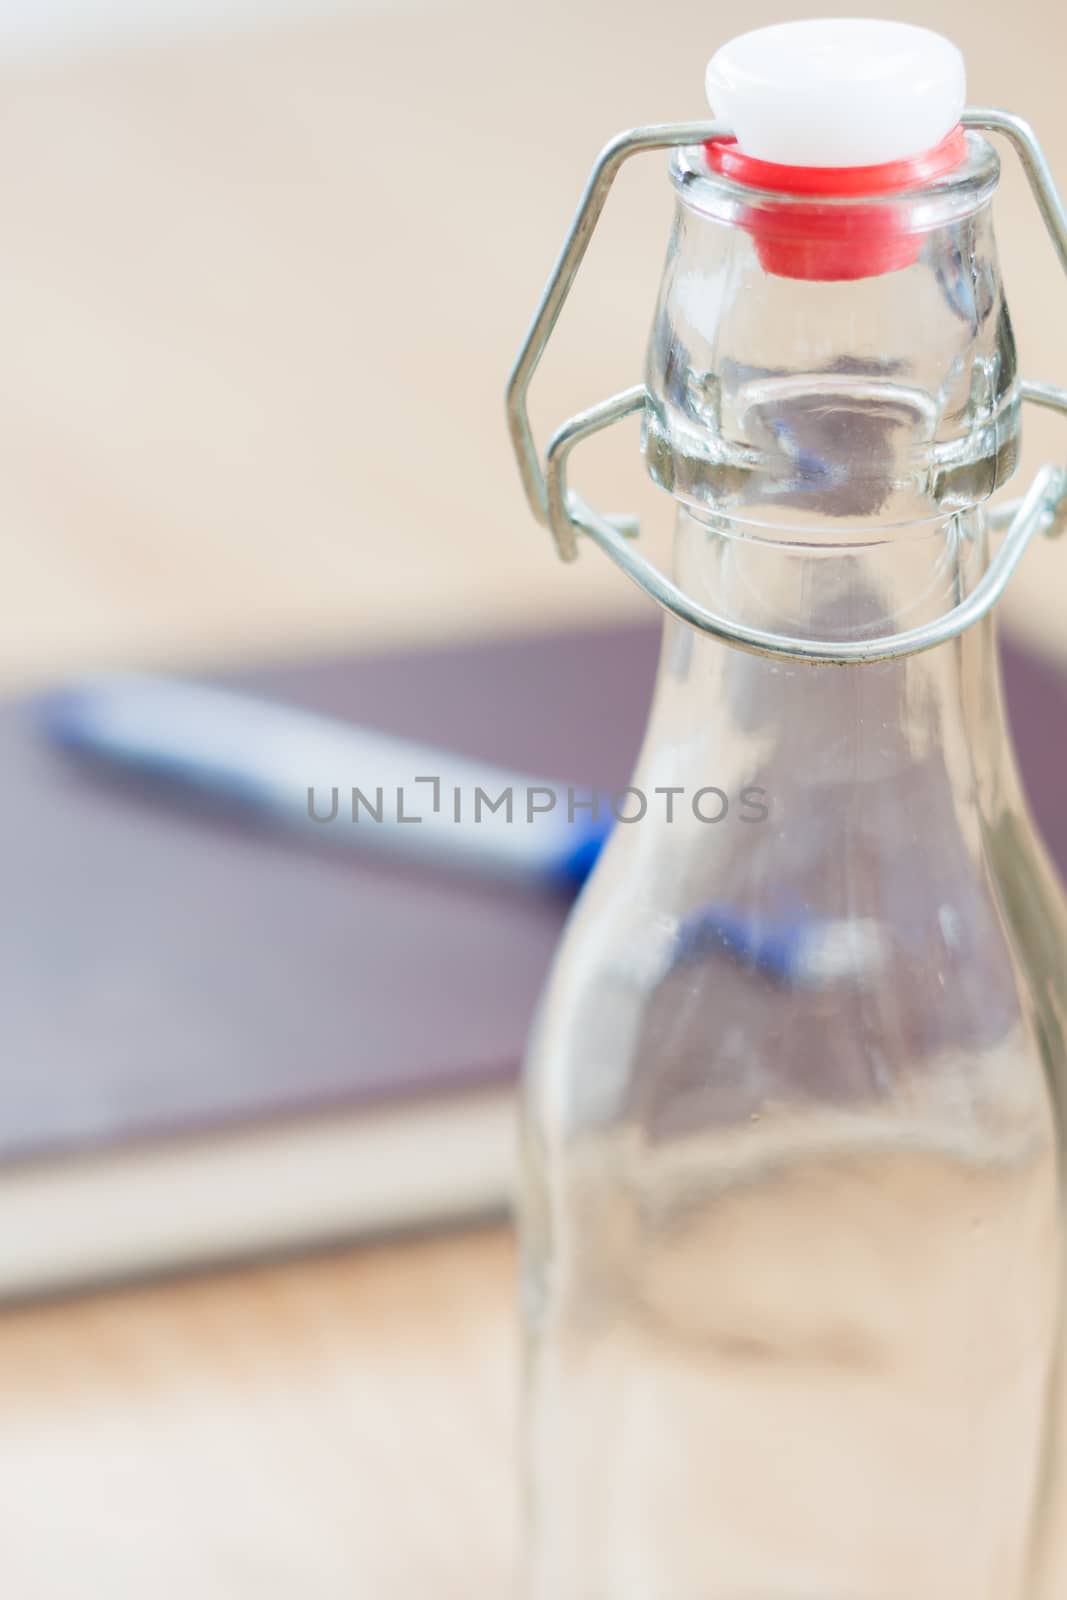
x=791, y=1197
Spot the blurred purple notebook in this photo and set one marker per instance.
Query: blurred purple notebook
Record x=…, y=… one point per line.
x=215, y=1041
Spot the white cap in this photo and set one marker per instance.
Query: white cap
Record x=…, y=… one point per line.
x=838, y=92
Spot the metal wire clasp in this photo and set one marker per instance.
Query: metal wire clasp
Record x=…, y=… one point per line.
x=1043, y=509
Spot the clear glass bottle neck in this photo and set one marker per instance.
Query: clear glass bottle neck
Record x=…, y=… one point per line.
x=829, y=586
x=834, y=405
x=927, y=725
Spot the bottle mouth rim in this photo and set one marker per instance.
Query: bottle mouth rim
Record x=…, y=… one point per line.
x=718, y=179
x=838, y=224
x=865, y=182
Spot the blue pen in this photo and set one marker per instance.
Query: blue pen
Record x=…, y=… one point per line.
x=332, y=780
x=356, y=786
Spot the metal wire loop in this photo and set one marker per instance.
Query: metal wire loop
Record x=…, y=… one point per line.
x=1042, y=510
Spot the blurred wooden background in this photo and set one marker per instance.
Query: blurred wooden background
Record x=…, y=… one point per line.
x=258, y=296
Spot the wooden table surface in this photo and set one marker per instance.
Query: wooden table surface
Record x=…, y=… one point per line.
x=333, y=1427
x=257, y=298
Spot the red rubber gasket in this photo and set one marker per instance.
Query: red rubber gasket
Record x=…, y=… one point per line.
x=834, y=243
x=826, y=182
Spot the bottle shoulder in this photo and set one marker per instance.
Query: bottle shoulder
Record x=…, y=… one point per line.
x=941, y=995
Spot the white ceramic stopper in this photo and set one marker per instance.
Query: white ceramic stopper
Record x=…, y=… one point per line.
x=838, y=92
